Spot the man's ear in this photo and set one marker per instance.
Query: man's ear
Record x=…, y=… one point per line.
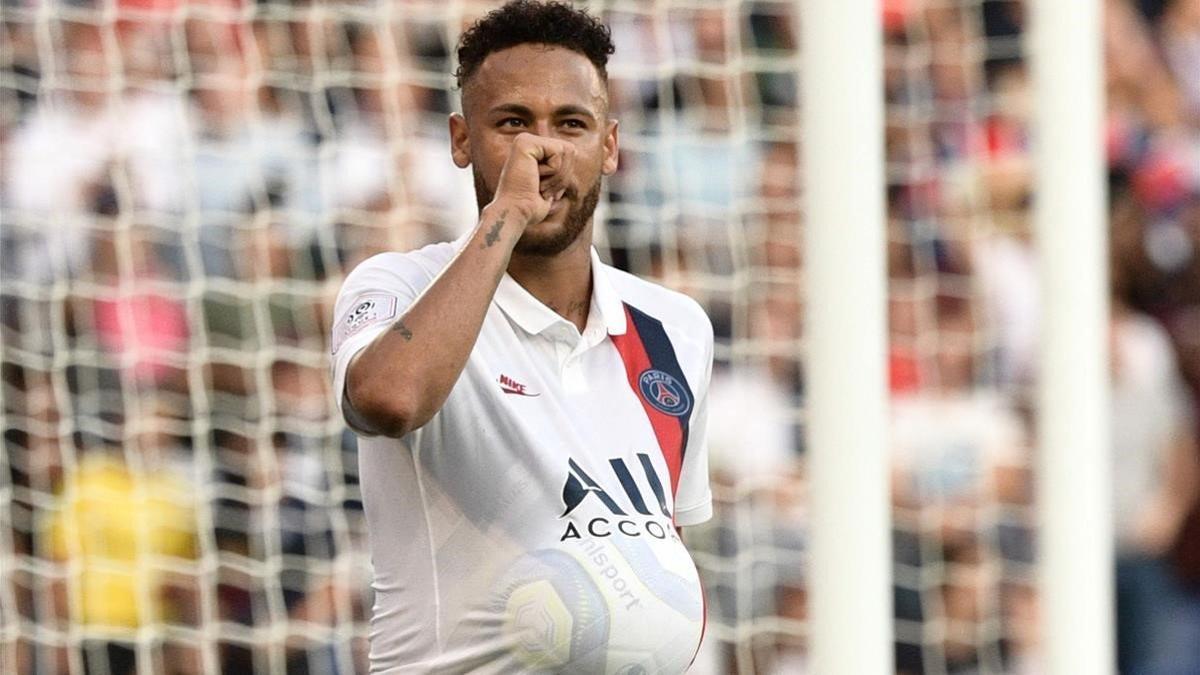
x=611, y=149
x=460, y=141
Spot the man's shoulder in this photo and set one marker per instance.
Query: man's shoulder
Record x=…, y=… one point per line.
x=413, y=267
x=672, y=308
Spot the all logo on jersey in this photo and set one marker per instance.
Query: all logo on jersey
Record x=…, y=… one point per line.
x=581, y=487
x=370, y=309
x=664, y=392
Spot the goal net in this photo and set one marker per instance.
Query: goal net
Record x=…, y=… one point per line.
x=186, y=182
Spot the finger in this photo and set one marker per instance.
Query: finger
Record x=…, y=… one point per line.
x=549, y=190
x=533, y=146
x=565, y=160
x=553, y=182
x=556, y=161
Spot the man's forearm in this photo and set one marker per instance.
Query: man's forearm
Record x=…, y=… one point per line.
x=399, y=381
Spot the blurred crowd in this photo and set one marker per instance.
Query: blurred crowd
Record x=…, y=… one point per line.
x=184, y=183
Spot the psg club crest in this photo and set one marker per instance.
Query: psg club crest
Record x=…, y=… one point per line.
x=664, y=392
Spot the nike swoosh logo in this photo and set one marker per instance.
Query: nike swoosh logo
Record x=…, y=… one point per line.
x=516, y=391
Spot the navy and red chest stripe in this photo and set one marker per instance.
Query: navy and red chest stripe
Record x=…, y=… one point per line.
x=655, y=377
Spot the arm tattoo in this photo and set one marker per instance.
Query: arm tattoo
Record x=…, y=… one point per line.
x=493, y=234
x=403, y=330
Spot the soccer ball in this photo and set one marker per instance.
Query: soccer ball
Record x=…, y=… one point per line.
x=596, y=606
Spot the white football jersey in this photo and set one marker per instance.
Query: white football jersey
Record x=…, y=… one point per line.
x=530, y=526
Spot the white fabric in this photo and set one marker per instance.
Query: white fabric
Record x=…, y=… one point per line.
x=759, y=454
x=478, y=565
x=947, y=446
x=1148, y=412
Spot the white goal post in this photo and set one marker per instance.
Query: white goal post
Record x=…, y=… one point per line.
x=1071, y=228
x=846, y=298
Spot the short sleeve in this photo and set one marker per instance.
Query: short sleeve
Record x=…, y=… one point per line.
x=371, y=299
x=693, y=501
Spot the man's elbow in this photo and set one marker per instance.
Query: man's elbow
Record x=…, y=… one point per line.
x=381, y=407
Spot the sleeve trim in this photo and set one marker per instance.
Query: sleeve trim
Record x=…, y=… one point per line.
x=695, y=514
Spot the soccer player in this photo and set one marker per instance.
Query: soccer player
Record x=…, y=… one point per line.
x=531, y=420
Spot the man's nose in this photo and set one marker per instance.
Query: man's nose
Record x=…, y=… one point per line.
x=542, y=128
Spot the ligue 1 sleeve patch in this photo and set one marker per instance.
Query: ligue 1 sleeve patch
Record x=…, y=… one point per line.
x=370, y=309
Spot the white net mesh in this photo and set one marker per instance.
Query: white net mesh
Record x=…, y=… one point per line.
x=956, y=133
x=186, y=183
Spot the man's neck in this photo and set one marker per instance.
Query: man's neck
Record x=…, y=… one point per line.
x=562, y=282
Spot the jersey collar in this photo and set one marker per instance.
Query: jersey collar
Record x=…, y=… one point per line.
x=605, y=298
x=534, y=317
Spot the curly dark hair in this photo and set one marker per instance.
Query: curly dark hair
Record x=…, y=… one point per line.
x=527, y=22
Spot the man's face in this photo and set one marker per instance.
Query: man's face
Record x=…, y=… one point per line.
x=548, y=91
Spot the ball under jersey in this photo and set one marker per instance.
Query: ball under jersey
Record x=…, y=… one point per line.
x=530, y=525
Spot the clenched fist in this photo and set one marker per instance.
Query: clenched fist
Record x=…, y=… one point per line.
x=535, y=176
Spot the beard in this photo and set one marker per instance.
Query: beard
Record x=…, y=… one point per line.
x=554, y=242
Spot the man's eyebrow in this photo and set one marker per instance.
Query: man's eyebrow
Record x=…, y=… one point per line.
x=565, y=110
x=561, y=111
x=514, y=108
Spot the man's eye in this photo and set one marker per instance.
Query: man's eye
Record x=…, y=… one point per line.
x=575, y=124
x=511, y=122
